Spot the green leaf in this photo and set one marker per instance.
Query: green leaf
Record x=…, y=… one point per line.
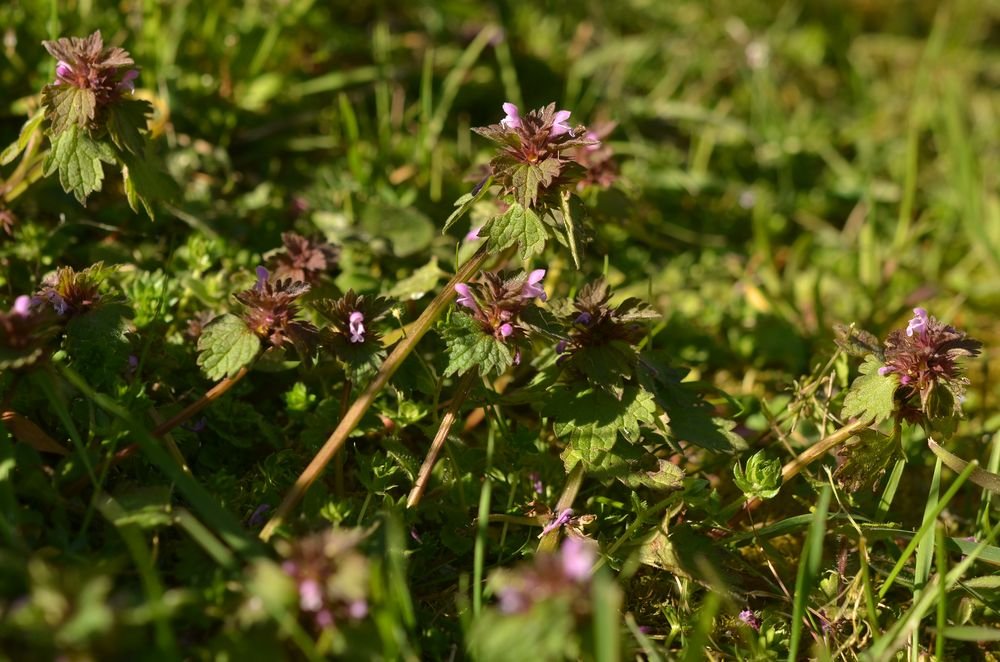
x=225, y=346
x=419, y=283
x=465, y=203
x=591, y=420
x=408, y=229
x=469, y=346
x=527, y=178
x=690, y=417
x=126, y=124
x=97, y=344
x=762, y=479
x=68, y=106
x=27, y=131
x=636, y=467
x=78, y=158
x=870, y=397
x=984, y=479
x=866, y=456
x=518, y=225
x=145, y=183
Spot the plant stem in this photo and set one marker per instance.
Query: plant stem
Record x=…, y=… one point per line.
x=566, y=499
x=424, y=476
x=361, y=405
x=807, y=457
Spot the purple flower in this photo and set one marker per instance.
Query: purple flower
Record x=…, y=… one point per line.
x=536, y=482
x=532, y=288
x=918, y=323
x=750, y=619
x=22, y=306
x=584, y=318
x=559, y=126
x=563, y=518
x=594, y=139
x=473, y=234
x=513, y=119
x=505, y=330
x=356, y=327
x=63, y=71
x=358, y=609
x=465, y=297
x=257, y=518
x=127, y=83
x=577, y=556
x=886, y=370
x=324, y=618
x=310, y=595
x=561, y=347
x=262, y=276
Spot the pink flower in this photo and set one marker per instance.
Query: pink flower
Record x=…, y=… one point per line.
x=310, y=595
x=750, y=619
x=22, y=306
x=513, y=119
x=564, y=517
x=356, y=327
x=127, y=83
x=918, y=323
x=505, y=330
x=559, y=126
x=63, y=71
x=577, y=556
x=473, y=234
x=262, y=276
x=532, y=288
x=465, y=297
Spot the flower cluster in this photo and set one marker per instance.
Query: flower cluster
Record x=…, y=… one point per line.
x=303, y=259
x=352, y=317
x=595, y=327
x=85, y=64
x=271, y=312
x=496, y=302
x=925, y=355
x=70, y=292
x=535, y=150
x=564, y=575
x=331, y=575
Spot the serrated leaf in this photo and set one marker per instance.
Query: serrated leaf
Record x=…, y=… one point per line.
x=691, y=418
x=96, y=342
x=517, y=225
x=634, y=466
x=145, y=183
x=591, y=420
x=126, y=124
x=78, y=159
x=762, y=478
x=68, y=106
x=469, y=347
x=225, y=346
x=27, y=131
x=527, y=178
x=865, y=458
x=465, y=203
x=870, y=397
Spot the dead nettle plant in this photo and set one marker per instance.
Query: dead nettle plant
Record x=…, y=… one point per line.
x=913, y=377
x=89, y=116
x=617, y=408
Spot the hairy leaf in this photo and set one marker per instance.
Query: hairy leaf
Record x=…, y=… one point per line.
x=225, y=346
x=145, y=183
x=591, y=420
x=865, y=458
x=518, y=225
x=127, y=123
x=870, y=397
x=470, y=347
x=96, y=342
x=78, y=159
x=68, y=106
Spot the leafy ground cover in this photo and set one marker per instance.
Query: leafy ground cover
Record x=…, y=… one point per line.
x=452, y=331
